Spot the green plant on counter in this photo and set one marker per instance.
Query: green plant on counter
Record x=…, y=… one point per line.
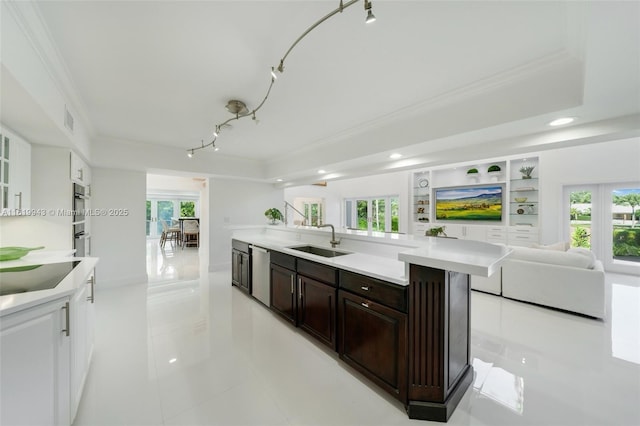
x=436, y=231
x=471, y=171
x=273, y=214
x=494, y=168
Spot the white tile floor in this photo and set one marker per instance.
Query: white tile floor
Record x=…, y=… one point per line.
x=188, y=349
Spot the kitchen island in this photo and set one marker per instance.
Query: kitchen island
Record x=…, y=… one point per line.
x=397, y=309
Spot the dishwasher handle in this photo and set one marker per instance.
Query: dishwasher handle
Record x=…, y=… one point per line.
x=258, y=249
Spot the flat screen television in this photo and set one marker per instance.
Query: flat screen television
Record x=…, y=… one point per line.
x=478, y=202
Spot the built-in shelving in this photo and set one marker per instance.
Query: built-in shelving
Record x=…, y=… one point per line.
x=521, y=199
x=524, y=193
x=421, y=200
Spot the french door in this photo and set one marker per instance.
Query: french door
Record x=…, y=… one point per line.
x=163, y=209
x=604, y=219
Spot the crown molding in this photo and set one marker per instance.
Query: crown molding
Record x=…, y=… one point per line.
x=30, y=20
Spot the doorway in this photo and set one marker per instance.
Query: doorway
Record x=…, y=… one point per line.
x=170, y=200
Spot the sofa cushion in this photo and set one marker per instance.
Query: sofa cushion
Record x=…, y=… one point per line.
x=586, y=253
x=560, y=246
x=554, y=257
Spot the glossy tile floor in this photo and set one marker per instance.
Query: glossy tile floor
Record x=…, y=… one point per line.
x=189, y=350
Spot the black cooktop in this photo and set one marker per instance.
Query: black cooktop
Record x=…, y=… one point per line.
x=22, y=279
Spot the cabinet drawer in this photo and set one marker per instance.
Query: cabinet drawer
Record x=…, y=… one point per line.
x=240, y=246
x=388, y=294
x=321, y=272
x=283, y=260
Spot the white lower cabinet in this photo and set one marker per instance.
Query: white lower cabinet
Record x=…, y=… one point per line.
x=45, y=355
x=35, y=365
x=522, y=236
x=82, y=324
x=465, y=232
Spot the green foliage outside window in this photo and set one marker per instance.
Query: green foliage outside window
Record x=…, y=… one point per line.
x=580, y=237
x=187, y=209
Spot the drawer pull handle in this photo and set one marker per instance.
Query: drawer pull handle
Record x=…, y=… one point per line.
x=67, y=323
x=366, y=305
x=365, y=287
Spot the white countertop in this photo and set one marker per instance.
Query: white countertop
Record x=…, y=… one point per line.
x=383, y=268
x=471, y=257
x=12, y=303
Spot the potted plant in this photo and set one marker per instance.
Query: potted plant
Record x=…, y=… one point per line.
x=472, y=174
x=274, y=215
x=526, y=171
x=436, y=231
x=494, y=168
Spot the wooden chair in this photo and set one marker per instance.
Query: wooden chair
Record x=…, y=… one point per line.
x=190, y=233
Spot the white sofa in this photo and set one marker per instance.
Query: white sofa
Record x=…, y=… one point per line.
x=571, y=280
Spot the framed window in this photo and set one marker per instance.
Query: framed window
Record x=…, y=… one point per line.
x=373, y=214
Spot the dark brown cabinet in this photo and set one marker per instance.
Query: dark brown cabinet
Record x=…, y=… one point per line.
x=317, y=309
x=304, y=293
x=373, y=336
x=283, y=292
x=241, y=266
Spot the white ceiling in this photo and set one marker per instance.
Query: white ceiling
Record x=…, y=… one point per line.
x=426, y=77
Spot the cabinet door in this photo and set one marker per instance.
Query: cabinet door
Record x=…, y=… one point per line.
x=20, y=175
x=82, y=324
x=235, y=267
x=373, y=340
x=245, y=272
x=34, y=349
x=240, y=270
x=317, y=310
x=77, y=169
x=283, y=293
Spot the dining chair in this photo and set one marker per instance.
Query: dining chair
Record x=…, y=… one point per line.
x=190, y=233
x=171, y=233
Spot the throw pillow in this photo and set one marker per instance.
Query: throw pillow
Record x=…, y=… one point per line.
x=586, y=253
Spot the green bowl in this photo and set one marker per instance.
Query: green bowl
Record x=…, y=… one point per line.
x=13, y=253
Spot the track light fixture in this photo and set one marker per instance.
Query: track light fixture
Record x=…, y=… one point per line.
x=239, y=108
x=370, y=16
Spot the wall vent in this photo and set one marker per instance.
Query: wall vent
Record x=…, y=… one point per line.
x=68, y=119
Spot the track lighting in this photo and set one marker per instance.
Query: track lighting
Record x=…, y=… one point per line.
x=370, y=16
x=239, y=108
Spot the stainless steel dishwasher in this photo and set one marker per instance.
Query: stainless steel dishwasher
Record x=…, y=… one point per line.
x=260, y=259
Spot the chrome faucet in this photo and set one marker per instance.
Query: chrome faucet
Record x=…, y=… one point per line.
x=333, y=241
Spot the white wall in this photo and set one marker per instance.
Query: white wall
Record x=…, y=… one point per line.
x=607, y=162
x=233, y=203
x=173, y=183
x=119, y=241
x=369, y=186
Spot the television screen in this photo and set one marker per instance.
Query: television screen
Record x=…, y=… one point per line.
x=482, y=202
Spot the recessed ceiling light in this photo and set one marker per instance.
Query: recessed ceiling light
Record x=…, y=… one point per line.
x=395, y=156
x=278, y=180
x=172, y=360
x=561, y=121
x=322, y=171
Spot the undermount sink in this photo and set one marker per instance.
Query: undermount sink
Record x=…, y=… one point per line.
x=319, y=251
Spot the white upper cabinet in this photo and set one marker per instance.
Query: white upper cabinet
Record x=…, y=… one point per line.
x=15, y=173
x=79, y=170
